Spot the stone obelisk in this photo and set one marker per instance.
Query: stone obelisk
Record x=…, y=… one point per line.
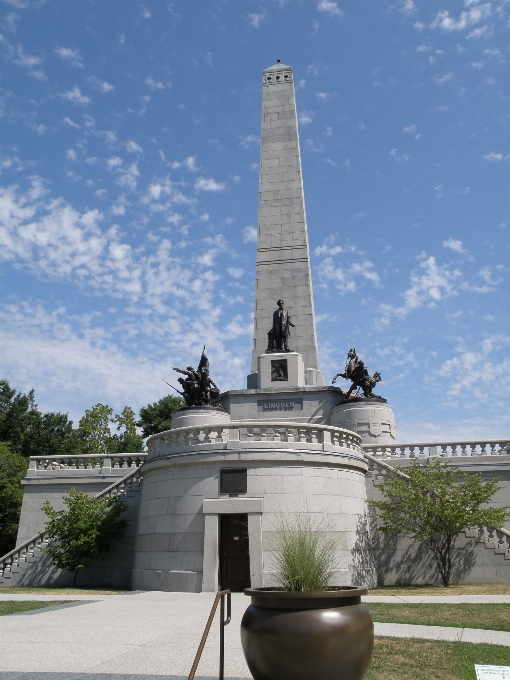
x=283, y=258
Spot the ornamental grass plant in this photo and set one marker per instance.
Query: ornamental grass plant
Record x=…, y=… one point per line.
x=304, y=556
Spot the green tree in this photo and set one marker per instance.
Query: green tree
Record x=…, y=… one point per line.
x=13, y=468
x=94, y=430
x=128, y=441
x=157, y=417
x=30, y=432
x=89, y=526
x=52, y=434
x=18, y=416
x=434, y=504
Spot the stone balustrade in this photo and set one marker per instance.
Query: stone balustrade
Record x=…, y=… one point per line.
x=101, y=463
x=30, y=550
x=253, y=434
x=473, y=448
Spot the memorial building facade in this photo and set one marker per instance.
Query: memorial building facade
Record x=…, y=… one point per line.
x=205, y=500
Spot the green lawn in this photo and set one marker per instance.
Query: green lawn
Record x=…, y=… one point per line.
x=487, y=616
x=410, y=659
x=11, y=607
x=473, y=589
x=27, y=590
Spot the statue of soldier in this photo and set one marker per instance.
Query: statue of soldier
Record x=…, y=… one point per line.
x=280, y=333
x=190, y=385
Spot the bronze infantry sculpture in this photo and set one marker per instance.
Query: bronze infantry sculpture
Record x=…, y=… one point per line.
x=356, y=372
x=198, y=388
x=280, y=332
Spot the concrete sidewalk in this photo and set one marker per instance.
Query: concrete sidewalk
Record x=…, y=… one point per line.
x=390, y=599
x=146, y=635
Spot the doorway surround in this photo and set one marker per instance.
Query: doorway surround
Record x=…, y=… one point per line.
x=212, y=509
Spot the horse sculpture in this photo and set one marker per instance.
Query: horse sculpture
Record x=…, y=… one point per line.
x=356, y=372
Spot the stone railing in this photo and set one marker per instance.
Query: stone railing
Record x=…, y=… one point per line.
x=253, y=434
x=497, y=539
x=102, y=463
x=473, y=448
x=30, y=550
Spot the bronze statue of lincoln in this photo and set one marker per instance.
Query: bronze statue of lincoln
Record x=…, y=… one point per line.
x=280, y=332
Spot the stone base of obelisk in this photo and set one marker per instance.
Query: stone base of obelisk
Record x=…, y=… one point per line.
x=282, y=370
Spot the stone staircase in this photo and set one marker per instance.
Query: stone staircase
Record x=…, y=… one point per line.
x=497, y=540
x=29, y=551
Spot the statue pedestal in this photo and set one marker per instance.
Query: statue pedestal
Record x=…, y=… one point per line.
x=372, y=419
x=281, y=370
x=197, y=416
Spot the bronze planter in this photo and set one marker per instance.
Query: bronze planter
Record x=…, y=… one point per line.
x=327, y=635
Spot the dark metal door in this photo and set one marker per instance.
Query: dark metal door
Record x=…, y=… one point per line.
x=234, y=553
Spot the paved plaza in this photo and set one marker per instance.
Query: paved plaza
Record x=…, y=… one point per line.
x=144, y=635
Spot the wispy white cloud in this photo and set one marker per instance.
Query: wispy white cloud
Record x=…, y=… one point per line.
x=72, y=56
x=250, y=234
x=71, y=123
x=480, y=32
x=493, y=157
x=442, y=79
x=129, y=176
x=408, y=7
x=454, y=245
x=256, y=19
x=345, y=278
x=474, y=372
x=101, y=85
x=399, y=157
x=235, y=272
x=75, y=96
x=476, y=13
x=329, y=7
x=431, y=284
x=133, y=147
x=190, y=163
x=208, y=184
x=17, y=55
x=306, y=117
x=154, y=84
x=246, y=141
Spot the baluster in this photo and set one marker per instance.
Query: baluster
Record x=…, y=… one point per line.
x=302, y=432
x=491, y=539
x=291, y=434
x=314, y=436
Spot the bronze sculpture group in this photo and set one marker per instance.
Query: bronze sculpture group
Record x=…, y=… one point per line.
x=356, y=372
x=198, y=388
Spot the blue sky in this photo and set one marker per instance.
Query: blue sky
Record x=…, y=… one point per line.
x=128, y=206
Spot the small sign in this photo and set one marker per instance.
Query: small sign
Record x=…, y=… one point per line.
x=492, y=672
x=280, y=405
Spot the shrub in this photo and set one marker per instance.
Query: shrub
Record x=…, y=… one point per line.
x=304, y=557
